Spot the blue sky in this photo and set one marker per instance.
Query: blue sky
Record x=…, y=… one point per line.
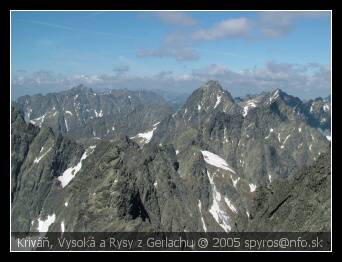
x=247, y=52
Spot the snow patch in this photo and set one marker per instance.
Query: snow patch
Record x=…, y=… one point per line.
x=328, y=137
x=36, y=161
x=326, y=107
x=147, y=136
x=100, y=114
x=68, y=112
x=202, y=219
x=66, y=204
x=271, y=131
x=66, y=125
x=252, y=187
x=235, y=181
x=218, y=101
x=62, y=227
x=250, y=104
x=230, y=205
x=43, y=225
x=219, y=215
x=70, y=173
x=199, y=107
x=217, y=161
x=283, y=145
x=274, y=96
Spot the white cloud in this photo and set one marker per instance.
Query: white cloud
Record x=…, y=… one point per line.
x=180, y=44
x=176, y=18
x=276, y=24
x=180, y=54
x=306, y=80
x=237, y=27
x=175, y=45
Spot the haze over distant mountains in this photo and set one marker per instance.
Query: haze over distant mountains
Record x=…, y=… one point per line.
x=121, y=160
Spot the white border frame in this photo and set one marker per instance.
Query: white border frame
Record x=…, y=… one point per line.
x=256, y=11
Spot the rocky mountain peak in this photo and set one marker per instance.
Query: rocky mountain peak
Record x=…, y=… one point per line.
x=209, y=97
x=80, y=89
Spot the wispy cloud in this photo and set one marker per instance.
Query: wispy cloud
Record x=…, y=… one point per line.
x=183, y=54
x=74, y=29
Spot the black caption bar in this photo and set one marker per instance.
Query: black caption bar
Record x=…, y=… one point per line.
x=182, y=241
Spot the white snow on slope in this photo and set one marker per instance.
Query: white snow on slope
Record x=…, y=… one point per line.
x=199, y=107
x=215, y=160
x=66, y=204
x=147, y=136
x=100, y=114
x=282, y=146
x=274, y=96
x=328, y=137
x=43, y=225
x=230, y=205
x=218, y=101
x=62, y=227
x=326, y=107
x=68, y=112
x=235, y=181
x=219, y=215
x=36, y=161
x=271, y=131
x=38, y=119
x=252, y=187
x=250, y=104
x=202, y=219
x=66, y=125
x=70, y=173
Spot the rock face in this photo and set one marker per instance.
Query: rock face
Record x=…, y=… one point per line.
x=299, y=204
x=38, y=157
x=82, y=114
x=215, y=165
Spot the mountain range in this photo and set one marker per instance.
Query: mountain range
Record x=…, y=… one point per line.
x=121, y=160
